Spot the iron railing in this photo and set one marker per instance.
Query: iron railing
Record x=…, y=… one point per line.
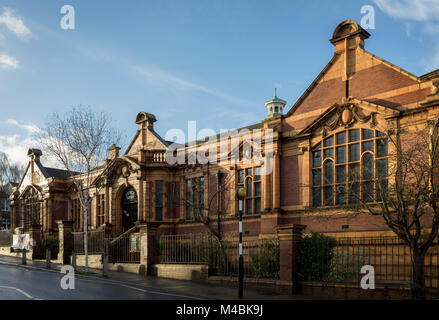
x=124, y=249
x=261, y=256
x=389, y=256
x=96, y=242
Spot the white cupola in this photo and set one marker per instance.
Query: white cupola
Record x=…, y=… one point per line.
x=275, y=106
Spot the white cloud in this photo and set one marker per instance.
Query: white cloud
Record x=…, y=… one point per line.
x=14, y=23
x=425, y=12
x=419, y=10
x=8, y=62
x=16, y=145
x=31, y=128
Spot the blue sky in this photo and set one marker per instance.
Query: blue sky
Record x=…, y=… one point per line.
x=214, y=61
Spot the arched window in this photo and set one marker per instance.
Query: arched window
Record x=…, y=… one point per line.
x=31, y=209
x=250, y=179
x=347, y=166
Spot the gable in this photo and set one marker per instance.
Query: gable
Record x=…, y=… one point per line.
x=352, y=112
x=365, y=76
x=31, y=178
x=149, y=141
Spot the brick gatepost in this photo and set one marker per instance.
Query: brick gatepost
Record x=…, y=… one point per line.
x=65, y=238
x=289, y=237
x=148, y=245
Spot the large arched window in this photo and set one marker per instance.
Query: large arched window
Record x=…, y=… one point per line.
x=31, y=209
x=347, y=166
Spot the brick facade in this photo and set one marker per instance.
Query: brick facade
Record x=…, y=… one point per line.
x=377, y=90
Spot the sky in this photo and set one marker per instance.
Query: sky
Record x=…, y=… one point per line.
x=213, y=61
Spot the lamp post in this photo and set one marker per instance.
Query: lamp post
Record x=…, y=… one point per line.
x=240, y=194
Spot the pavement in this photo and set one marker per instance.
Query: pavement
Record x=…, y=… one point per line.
x=35, y=281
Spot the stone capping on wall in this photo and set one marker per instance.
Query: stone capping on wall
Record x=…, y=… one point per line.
x=193, y=272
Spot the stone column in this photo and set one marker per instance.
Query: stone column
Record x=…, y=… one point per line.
x=140, y=201
x=289, y=237
x=148, y=245
x=107, y=204
x=65, y=237
x=276, y=180
x=35, y=241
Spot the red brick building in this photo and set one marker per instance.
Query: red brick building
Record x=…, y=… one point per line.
x=338, y=125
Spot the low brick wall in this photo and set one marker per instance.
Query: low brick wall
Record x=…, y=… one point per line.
x=348, y=291
x=6, y=251
x=193, y=272
x=270, y=285
x=95, y=262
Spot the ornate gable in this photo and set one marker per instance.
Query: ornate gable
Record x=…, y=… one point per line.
x=346, y=115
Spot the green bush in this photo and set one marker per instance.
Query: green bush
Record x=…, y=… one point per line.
x=265, y=262
x=50, y=242
x=315, y=257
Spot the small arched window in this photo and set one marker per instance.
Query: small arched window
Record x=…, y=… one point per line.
x=347, y=166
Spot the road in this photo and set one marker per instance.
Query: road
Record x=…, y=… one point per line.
x=21, y=283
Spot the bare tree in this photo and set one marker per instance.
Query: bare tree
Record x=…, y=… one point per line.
x=407, y=194
x=9, y=172
x=78, y=141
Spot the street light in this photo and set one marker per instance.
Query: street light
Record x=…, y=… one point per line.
x=240, y=194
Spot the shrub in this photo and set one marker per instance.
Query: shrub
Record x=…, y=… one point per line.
x=315, y=257
x=265, y=262
x=50, y=242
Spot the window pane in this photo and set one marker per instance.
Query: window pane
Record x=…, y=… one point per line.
x=158, y=214
x=368, y=146
x=367, y=134
x=258, y=173
x=257, y=189
x=341, y=154
x=341, y=173
x=354, y=172
x=257, y=205
x=381, y=188
x=354, y=152
x=354, y=135
x=316, y=197
x=240, y=176
x=354, y=193
x=317, y=146
x=382, y=168
x=316, y=159
x=368, y=166
x=368, y=191
x=380, y=134
x=341, y=194
x=249, y=188
x=317, y=177
x=329, y=172
x=188, y=185
x=329, y=196
x=249, y=172
x=201, y=182
x=249, y=205
x=381, y=147
x=341, y=137
x=328, y=142
x=328, y=153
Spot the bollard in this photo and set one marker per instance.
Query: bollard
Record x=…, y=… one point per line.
x=104, y=264
x=48, y=256
x=74, y=261
x=23, y=258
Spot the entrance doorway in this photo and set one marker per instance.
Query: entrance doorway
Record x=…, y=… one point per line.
x=129, y=208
